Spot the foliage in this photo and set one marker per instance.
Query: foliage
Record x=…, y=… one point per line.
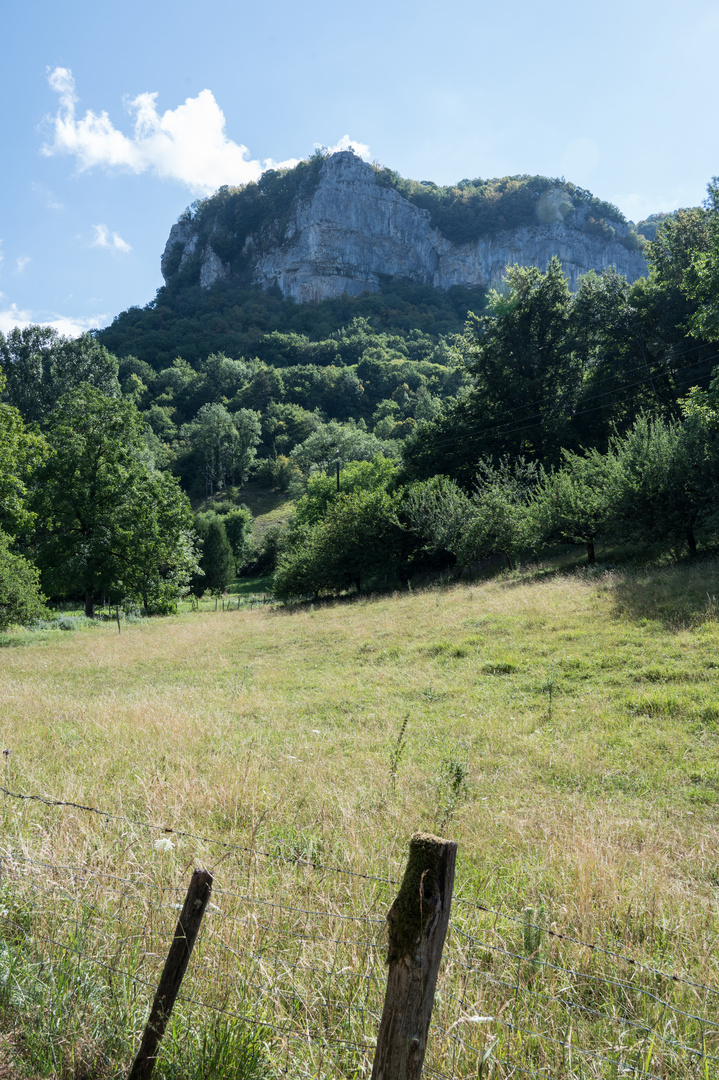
x=524, y=376
x=499, y=522
x=577, y=501
x=338, y=442
x=475, y=209
x=357, y=537
x=226, y=444
x=20, y=454
x=438, y=510
x=108, y=521
x=239, y=527
x=40, y=366
x=701, y=276
x=195, y=322
x=20, y=598
x=379, y=474
x=217, y=558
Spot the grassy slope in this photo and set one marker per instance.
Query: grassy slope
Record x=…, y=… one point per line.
x=277, y=728
x=268, y=507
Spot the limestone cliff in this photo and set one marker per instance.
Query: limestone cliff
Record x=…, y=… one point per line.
x=346, y=230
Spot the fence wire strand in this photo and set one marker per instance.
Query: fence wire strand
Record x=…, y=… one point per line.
x=287, y=969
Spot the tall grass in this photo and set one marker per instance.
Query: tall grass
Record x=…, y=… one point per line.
x=277, y=731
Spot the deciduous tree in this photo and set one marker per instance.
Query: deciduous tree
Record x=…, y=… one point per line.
x=107, y=520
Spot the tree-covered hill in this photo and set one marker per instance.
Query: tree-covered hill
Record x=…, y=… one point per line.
x=187, y=321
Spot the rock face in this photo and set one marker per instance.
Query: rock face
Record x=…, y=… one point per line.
x=351, y=231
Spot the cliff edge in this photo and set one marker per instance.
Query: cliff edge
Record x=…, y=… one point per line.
x=341, y=229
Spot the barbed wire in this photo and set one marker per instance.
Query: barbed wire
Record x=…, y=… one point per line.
x=147, y=984
x=569, y=1003
x=564, y=1043
x=273, y=976
x=477, y=904
x=216, y=892
x=539, y=962
x=614, y=955
x=564, y=1002
x=254, y=852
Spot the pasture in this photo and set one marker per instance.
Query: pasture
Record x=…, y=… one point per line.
x=562, y=727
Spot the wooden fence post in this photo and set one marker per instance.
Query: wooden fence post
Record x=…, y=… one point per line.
x=198, y=895
x=418, y=922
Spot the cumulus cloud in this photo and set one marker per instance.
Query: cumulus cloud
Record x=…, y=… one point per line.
x=11, y=316
x=188, y=144
x=345, y=143
x=21, y=263
x=105, y=239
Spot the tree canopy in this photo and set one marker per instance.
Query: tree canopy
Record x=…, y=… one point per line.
x=109, y=522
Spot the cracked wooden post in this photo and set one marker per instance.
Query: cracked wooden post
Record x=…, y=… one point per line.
x=198, y=895
x=418, y=922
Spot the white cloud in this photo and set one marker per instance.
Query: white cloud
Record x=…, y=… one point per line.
x=21, y=263
x=48, y=197
x=105, y=239
x=188, y=144
x=345, y=143
x=68, y=325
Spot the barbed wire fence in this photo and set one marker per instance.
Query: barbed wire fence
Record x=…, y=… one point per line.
x=291, y=959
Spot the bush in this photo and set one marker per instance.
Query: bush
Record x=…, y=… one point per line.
x=20, y=598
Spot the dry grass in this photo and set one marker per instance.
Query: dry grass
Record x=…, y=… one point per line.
x=275, y=729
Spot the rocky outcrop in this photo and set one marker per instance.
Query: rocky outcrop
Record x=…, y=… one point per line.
x=350, y=231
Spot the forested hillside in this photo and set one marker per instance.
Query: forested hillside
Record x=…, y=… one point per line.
x=414, y=428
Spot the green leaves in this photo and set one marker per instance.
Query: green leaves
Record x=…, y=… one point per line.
x=20, y=598
x=107, y=520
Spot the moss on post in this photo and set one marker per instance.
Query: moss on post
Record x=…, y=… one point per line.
x=418, y=896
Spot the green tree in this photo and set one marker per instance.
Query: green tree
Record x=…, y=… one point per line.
x=21, y=452
x=358, y=537
x=700, y=279
x=438, y=511
x=669, y=478
x=576, y=503
x=41, y=366
x=524, y=377
x=239, y=527
x=107, y=520
x=216, y=567
x=379, y=474
x=500, y=522
x=20, y=598
x=337, y=442
x=226, y=444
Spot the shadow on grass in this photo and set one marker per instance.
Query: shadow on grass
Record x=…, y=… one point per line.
x=679, y=596
x=263, y=500
x=251, y=586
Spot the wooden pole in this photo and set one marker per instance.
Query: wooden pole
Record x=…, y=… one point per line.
x=417, y=923
x=198, y=895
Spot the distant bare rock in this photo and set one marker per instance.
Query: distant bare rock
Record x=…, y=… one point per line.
x=350, y=231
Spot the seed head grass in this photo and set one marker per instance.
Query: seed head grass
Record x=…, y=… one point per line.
x=276, y=730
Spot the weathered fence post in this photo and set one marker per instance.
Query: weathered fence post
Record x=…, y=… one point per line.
x=418, y=922
x=198, y=895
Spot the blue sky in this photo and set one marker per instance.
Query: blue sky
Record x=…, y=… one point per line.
x=115, y=118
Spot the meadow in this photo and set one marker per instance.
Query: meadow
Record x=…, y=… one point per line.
x=563, y=727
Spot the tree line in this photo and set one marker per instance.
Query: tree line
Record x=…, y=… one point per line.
x=553, y=417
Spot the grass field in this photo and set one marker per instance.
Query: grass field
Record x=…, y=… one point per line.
x=563, y=728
